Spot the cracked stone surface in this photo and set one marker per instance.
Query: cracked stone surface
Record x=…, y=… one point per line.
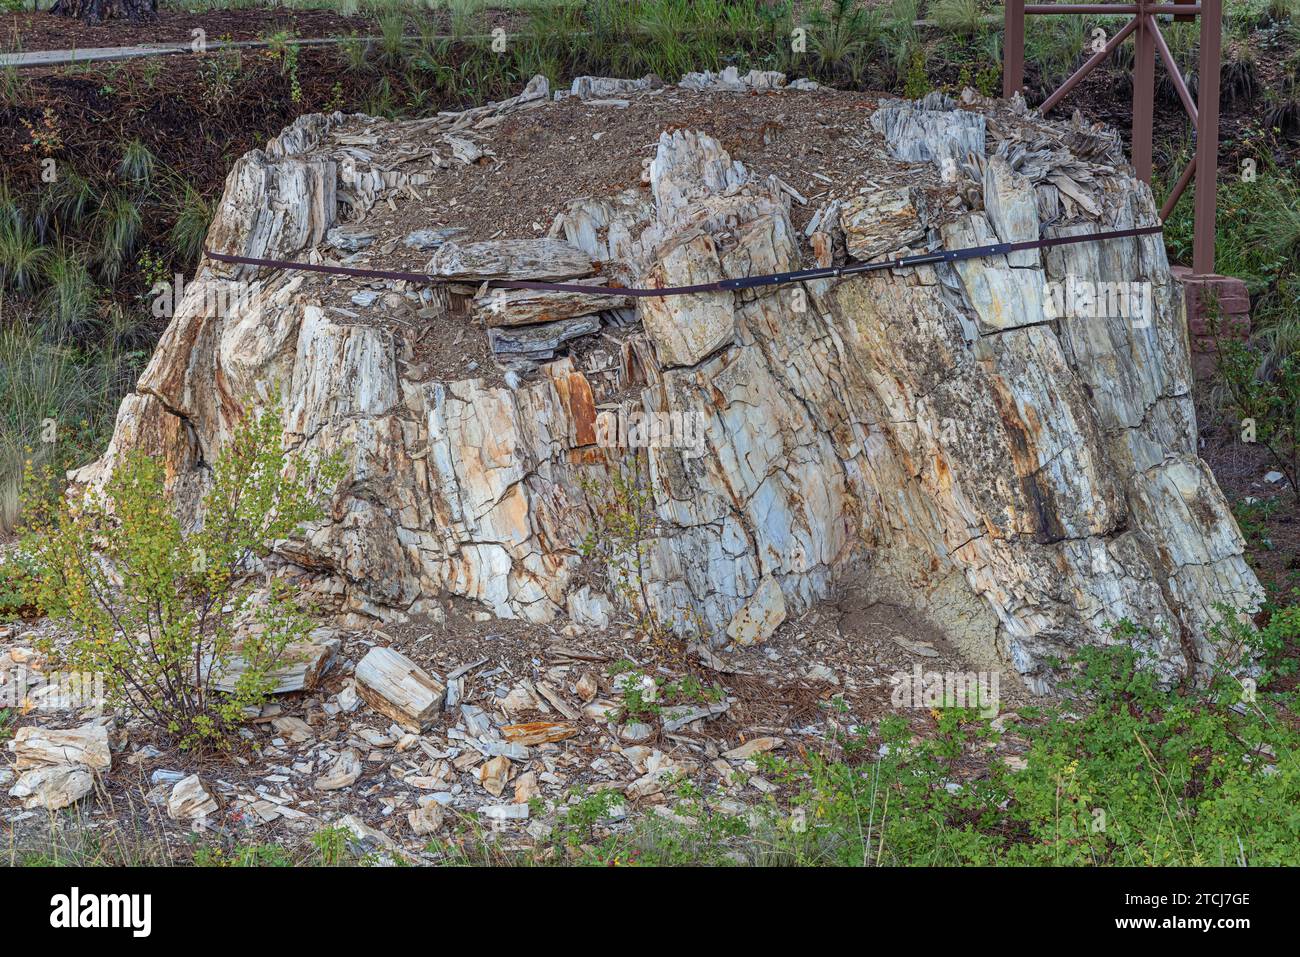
x=1029, y=479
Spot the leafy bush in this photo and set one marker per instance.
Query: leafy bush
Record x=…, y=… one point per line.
x=1142, y=776
x=17, y=581
x=624, y=522
x=1123, y=772
x=157, y=611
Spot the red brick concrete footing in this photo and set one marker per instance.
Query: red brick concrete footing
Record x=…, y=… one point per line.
x=1208, y=297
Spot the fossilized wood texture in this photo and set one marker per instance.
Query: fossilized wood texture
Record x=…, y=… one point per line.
x=1044, y=468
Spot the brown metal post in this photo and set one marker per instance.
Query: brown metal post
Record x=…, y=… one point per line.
x=1207, y=137
x=1144, y=94
x=1013, y=49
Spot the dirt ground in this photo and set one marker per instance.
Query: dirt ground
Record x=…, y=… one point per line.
x=832, y=670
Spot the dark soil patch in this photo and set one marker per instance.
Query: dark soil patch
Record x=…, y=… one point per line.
x=1268, y=513
x=43, y=31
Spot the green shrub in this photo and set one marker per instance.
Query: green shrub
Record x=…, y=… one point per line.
x=1122, y=772
x=193, y=215
x=17, y=585
x=844, y=32
x=918, y=80
x=21, y=254
x=118, y=222
x=136, y=165
x=164, y=634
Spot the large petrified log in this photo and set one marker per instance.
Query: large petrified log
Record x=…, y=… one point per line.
x=1022, y=473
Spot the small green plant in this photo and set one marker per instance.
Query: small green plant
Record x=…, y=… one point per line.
x=1252, y=517
x=168, y=633
x=150, y=72
x=118, y=223
x=1270, y=645
x=645, y=695
x=21, y=254
x=136, y=165
x=70, y=297
x=842, y=33
x=986, y=82
x=336, y=100
x=219, y=74
x=243, y=855
x=392, y=36
x=152, y=268
x=619, y=538
x=193, y=215
x=961, y=17
x=331, y=846
x=578, y=822
x=283, y=49
x=917, y=84
x=352, y=51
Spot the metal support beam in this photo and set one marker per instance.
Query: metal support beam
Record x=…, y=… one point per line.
x=1013, y=49
x=1176, y=76
x=1207, y=137
x=1176, y=193
x=1144, y=94
x=1108, y=9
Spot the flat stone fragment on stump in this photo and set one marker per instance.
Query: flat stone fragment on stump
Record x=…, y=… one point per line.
x=880, y=222
x=530, y=259
x=397, y=687
x=526, y=307
x=686, y=329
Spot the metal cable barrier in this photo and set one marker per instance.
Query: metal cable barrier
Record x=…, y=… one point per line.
x=722, y=285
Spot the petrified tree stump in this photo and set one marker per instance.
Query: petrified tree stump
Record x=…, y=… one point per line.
x=965, y=439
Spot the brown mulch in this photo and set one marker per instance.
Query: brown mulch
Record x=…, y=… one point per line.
x=546, y=157
x=818, y=143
